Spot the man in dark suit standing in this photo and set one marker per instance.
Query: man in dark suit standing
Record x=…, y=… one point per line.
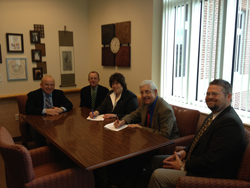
x=93, y=94
x=46, y=100
x=217, y=148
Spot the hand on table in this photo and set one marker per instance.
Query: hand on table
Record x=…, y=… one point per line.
x=135, y=126
x=93, y=114
x=55, y=111
x=107, y=116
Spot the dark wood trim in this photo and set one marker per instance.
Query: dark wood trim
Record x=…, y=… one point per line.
x=13, y=97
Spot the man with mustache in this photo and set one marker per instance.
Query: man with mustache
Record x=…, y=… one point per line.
x=217, y=148
x=154, y=114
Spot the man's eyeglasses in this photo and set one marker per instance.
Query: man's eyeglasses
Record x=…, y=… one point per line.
x=147, y=92
x=213, y=94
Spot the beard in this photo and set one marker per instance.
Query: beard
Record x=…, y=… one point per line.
x=212, y=106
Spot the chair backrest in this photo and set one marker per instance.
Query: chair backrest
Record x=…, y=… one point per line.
x=244, y=169
x=17, y=160
x=187, y=120
x=21, y=101
x=139, y=100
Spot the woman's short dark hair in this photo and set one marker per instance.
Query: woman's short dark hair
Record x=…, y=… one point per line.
x=119, y=78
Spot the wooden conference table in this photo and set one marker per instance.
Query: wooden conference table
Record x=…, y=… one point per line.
x=88, y=143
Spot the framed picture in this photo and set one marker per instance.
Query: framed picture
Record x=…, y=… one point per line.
x=35, y=37
x=43, y=66
x=0, y=54
x=14, y=42
x=37, y=73
x=42, y=48
x=40, y=28
x=36, y=55
x=17, y=68
x=67, y=60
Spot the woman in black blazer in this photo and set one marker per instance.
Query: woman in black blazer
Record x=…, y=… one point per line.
x=119, y=101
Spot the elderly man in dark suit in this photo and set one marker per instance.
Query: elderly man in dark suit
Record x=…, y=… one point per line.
x=46, y=100
x=93, y=94
x=217, y=148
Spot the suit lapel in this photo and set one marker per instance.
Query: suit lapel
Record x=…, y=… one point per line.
x=144, y=114
x=119, y=103
x=213, y=123
x=155, y=112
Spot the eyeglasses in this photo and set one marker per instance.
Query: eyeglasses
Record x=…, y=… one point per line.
x=213, y=94
x=147, y=92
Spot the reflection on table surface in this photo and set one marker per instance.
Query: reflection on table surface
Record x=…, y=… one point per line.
x=88, y=143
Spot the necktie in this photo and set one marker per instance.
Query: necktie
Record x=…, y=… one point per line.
x=198, y=136
x=48, y=103
x=93, y=99
x=148, y=118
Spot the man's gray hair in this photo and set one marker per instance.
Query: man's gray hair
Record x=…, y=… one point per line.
x=148, y=82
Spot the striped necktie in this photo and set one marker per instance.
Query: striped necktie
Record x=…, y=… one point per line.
x=198, y=136
x=48, y=102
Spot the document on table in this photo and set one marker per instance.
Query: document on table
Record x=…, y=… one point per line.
x=111, y=127
x=97, y=118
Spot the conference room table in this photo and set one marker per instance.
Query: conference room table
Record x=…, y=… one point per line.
x=88, y=143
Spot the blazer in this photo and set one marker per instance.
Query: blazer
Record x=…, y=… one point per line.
x=218, y=152
x=85, y=96
x=126, y=104
x=34, y=104
x=163, y=121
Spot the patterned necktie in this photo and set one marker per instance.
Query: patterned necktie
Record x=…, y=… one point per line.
x=93, y=99
x=48, y=102
x=198, y=136
x=148, y=118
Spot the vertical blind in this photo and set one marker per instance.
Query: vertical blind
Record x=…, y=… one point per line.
x=203, y=40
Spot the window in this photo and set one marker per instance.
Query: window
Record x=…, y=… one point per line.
x=204, y=40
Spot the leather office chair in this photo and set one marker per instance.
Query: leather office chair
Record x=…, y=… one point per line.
x=38, y=168
x=187, y=121
x=25, y=135
x=139, y=100
x=243, y=177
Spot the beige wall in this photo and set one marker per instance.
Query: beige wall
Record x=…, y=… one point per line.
x=140, y=13
x=19, y=16
x=84, y=18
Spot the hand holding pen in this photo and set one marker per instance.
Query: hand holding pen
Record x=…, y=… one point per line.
x=118, y=123
x=93, y=114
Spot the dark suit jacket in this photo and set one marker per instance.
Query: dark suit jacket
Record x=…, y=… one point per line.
x=85, y=96
x=34, y=104
x=127, y=104
x=218, y=152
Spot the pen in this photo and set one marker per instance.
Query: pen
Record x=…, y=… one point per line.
x=92, y=112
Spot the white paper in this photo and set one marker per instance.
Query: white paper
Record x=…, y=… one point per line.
x=97, y=118
x=111, y=127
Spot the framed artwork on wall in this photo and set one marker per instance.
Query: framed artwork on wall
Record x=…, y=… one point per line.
x=36, y=55
x=14, y=42
x=43, y=66
x=42, y=48
x=35, y=37
x=38, y=27
x=0, y=54
x=37, y=73
x=67, y=60
x=16, y=68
